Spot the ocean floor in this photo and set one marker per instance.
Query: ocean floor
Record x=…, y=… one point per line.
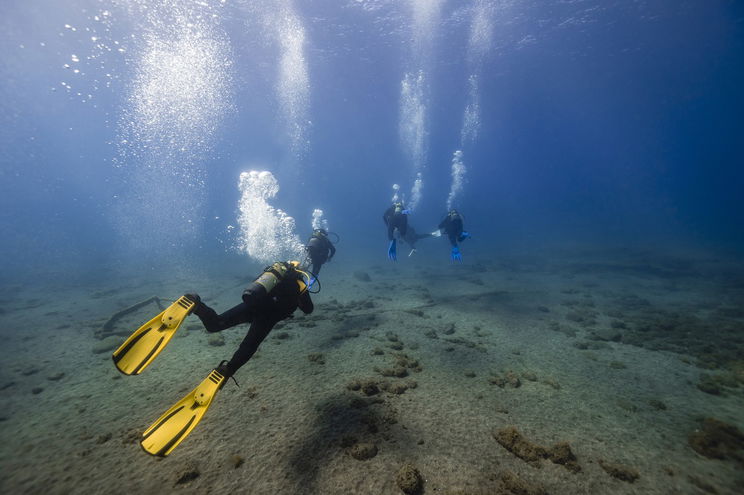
x=579, y=373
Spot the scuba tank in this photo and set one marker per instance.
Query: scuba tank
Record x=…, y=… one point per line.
x=271, y=277
x=317, y=238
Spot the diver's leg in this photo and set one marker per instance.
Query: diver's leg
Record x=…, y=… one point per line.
x=316, y=268
x=216, y=323
x=260, y=328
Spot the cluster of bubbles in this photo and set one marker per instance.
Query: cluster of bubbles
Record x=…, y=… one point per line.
x=458, y=178
x=479, y=41
x=87, y=70
x=182, y=83
x=426, y=15
x=417, y=192
x=293, y=87
x=412, y=122
x=179, y=95
x=471, y=117
x=282, y=30
x=396, y=193
x=176, y=66
x=412, y=125
x=266, y=233
x=318, y=221
x=481, y=32
x=179, y=91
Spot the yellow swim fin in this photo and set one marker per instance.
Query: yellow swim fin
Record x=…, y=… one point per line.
x=143, y=346
x=174, y=426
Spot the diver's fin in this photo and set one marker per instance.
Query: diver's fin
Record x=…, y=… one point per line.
x=436, y=233
x=139, y=350
x=175, y=425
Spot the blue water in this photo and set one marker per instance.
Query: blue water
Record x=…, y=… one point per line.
x=601, y=123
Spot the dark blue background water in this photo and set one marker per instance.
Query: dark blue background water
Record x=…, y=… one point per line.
x=603, y=123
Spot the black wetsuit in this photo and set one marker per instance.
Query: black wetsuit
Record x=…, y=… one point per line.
x=263, y=312
x=320, y=249
x=452, y=225
x=412, y=237
x=394, y=221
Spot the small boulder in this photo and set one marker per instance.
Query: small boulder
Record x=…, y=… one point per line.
x=619, y=471
x=514, y=442
x=409, y=480
x=561, y=453
x=216, y=339
x=316, y=357
x=513, y=484
x=397, y=388
x=718, y=440
x=369, y=387
x=363, y=451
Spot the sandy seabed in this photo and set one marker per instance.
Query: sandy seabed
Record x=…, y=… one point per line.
x=470, y=375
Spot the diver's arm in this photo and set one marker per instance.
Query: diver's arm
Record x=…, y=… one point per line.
x=388, y=215
x=332, y=248
x=305, y=303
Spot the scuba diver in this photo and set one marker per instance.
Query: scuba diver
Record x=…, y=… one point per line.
x=395, y=217
x=320, y=249
x=412, y=238
x=452, y=225
x=272, y=297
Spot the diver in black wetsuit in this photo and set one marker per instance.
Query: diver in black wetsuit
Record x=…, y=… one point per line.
x=395, y=217
x=273, y=297
x=320, y=249
x=452, y=225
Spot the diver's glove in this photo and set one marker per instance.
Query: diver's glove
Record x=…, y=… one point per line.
x=463, y=235
x=392, y=253
x=456, y=256
x=405, y=212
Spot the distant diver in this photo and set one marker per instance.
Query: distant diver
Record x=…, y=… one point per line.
x=412, y=237
x=272, y=297
x=395, y=217
x=320, y=249
x=452, y=226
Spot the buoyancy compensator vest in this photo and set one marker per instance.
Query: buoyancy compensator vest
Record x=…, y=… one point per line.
x=271, y=277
